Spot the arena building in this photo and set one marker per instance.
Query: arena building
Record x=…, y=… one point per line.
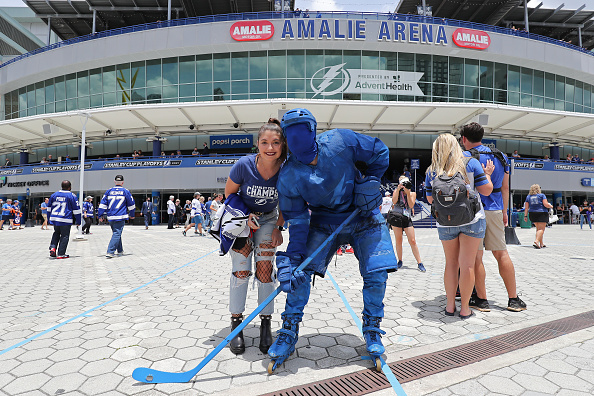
x=175, y=84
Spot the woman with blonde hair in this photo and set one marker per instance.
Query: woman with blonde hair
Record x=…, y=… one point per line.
x=460, y=243
x=537, y=207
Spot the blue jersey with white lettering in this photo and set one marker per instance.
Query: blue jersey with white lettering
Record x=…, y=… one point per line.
x=118, y=203
x=6, y=209
x=88, y=209
x=62, y=206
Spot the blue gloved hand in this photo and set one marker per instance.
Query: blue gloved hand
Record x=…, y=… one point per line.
x=289, y=279
x=367, y=195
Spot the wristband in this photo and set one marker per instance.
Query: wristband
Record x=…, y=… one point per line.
x=279, y=227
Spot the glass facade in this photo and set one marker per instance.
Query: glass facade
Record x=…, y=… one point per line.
x=288, y=74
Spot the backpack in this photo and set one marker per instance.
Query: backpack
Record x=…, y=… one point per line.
x=453, y=203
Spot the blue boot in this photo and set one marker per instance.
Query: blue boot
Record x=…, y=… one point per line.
x=373, y=335
x=284, y=345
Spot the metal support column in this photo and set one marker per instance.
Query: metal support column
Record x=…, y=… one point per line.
x=526, y=16
x=580, y=36
x=94, y=21
x=168, y=10
x=49, y=30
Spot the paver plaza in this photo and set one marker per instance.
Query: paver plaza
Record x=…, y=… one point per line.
x=164, y=305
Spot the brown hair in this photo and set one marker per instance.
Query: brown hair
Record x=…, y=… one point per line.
x=274, y=125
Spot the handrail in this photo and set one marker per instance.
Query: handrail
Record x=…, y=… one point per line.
x=294, y=14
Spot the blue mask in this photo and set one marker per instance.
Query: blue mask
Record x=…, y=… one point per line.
x=302, y=142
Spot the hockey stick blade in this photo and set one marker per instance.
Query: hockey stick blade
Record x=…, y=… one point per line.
x=152, y=376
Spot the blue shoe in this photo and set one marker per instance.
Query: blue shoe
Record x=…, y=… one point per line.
x=373, y=335
x=399, y=264
x=422, y=267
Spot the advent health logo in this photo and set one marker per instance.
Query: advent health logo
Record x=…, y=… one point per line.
x=325, y=81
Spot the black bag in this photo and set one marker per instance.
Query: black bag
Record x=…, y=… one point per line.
x=453, y=204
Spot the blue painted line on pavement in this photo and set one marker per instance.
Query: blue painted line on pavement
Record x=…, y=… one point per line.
x=86, y=313
x=385, y=368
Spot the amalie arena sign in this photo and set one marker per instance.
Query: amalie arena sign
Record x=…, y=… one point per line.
x=342, y=29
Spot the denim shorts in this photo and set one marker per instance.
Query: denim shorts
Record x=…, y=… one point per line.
x=197, y=219
x=475, y=230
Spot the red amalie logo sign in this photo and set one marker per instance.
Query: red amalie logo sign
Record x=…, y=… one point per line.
x=252, y=30
x=468, y=38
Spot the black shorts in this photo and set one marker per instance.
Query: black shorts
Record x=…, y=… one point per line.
x=538, y=217
x=399, y=220
x=6, y=217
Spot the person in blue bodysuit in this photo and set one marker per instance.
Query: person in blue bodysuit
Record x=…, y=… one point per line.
x=321, y=176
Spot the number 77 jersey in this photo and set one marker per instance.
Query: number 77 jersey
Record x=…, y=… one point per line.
x=118, y=203
x=62, y=208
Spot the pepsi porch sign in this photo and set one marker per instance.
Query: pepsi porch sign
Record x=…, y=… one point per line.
x=231, y=141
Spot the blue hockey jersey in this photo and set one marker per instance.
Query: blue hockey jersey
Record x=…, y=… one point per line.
x=88, y=209
x=118, y=203
x=62, y=207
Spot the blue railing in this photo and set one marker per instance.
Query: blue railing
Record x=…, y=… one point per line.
x=301, y=14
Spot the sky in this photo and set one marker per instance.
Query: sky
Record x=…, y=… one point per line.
x=374, y=5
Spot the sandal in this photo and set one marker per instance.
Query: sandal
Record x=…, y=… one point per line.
x=464, y=317
x=535, y=245
x=445, y=311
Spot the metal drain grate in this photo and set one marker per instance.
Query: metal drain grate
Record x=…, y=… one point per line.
x=367, y=381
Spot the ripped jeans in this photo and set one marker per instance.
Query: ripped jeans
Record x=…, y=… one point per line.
x=260, y=247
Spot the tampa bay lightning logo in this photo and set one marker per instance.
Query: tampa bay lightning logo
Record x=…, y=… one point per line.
x=263, y=201
x=167, y=163
x=329, y=75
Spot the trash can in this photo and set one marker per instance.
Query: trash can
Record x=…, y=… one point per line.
x=525, y=222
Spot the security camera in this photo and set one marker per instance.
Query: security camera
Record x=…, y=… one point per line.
x=236, y=125
x=108, y=132
x=192, y=127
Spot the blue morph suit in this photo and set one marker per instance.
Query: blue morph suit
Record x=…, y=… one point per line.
x=327, y=190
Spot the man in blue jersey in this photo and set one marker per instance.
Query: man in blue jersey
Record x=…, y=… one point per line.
x=6, y=212
x=495, y=206
x=62, y=207
x=88, y=214
x=119, y=205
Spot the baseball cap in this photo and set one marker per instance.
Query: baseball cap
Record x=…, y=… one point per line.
x=197, y=193
x=387, y=193
x=89, y=197
x=119, y=178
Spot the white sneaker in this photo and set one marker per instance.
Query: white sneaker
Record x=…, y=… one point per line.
x=109, y=255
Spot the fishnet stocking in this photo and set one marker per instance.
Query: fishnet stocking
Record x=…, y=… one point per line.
x=264, y=267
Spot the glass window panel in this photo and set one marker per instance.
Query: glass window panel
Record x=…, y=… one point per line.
x=277, y=95
x=471, y=93
x=549, y=104
x=220, y=91
x=471, y=72
x=579, y=93
x=406, y=62
x=423, y=65
x=526, y=81
x=369, y=60
x=587, y=95
x=577, y=108
x=49, y=91
x=277, y=64
x=456, y=70
x=526, y=100
x=95, y=81
x=569, y=106
x=154, y=94
x=538, y=87
x=240, y=87
x=170, y=91
x=204, y=68
x=109, y=79
x=500, y=96
x=138, y=95
x=84, y=102
x=500, y=76
x=96, y=100
x=40, y=94
x=440, y=69
x=60, y=106
x=82, y=83
x=221, y=67
x=31, y=111
x=352, y=60
x=258, y=86
x=123, y=77
x=295, y=85
x=109, y=99
x=456, y=91
x=258, y=65
x=277, y=85
x=71, y=86
x=486, y=95
x=137, y=75
x=187, y=69
x=170, y=71
x=513, y=98
x=315, y=61
x=296, y=63
x=239, y=66
x=559, y=87
x=332, y=57
x=569, y=89
x=257, y=96
x=513, y=78
x=486, y=74
x=50, y=107
x=40, y=109
x=387, y=60
x=186, y=90
x=204, y=89
x=549, y=85
x=559, y=105
x=240, y=97
x=31, y=96
x=153, y=73
x=71, y=104
x=440, y=90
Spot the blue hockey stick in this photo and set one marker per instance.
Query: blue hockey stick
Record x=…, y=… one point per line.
x=151, y=376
